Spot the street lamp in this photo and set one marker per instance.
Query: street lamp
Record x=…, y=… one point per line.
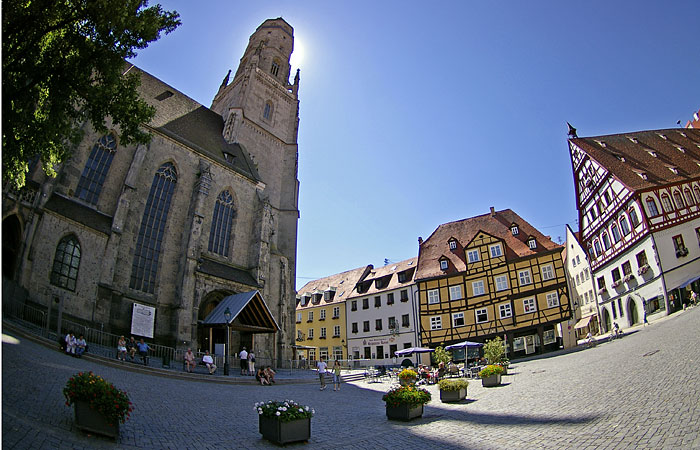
x=227, y=316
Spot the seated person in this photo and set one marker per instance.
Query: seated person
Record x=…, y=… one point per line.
x=70, y=343
x=208, y=361
x=143, y=349
x=131, y=347
x=121, y=349
x=80, y=346
x=190, y=361
x=270, y=374
x=260, y=376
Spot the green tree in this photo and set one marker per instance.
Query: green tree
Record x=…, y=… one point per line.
x=494, y=351
x=442, y=355
x=63, y=67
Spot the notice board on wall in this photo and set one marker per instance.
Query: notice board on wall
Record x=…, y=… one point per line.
x=143, y=320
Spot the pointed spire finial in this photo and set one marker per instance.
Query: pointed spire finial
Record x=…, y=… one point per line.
x=572, y=131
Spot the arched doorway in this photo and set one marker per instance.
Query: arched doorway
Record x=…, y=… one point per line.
x=11, y=243
x=208, y=337
x=633, y=312
x=606, y=320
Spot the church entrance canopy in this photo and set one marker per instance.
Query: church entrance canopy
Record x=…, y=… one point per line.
x=248, y=313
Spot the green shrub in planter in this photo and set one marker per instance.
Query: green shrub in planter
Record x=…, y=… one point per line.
x=489, y=370
x=453, y=385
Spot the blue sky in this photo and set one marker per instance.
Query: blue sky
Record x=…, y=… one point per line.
x=414, y=114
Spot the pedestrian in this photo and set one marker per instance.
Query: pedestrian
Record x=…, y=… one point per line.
x=322, y=366
x=693, y=298
x=336, y=375
x=243, y=355
x=251, y=362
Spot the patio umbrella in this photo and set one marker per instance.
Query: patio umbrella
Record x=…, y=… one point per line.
x=465, y=344
x=412, y=350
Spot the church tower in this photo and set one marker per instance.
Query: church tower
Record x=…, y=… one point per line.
x=260, y=109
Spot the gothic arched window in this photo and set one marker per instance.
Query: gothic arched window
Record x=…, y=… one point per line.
x=666, y=204
x=150, y=238
x=267, y=112
x=678, y=199
x=65, y=263
x=221, y=224
x=689, y=197
x=96, y=168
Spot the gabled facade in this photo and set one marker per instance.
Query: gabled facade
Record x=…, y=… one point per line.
x=583, y=298
x=381, y=314
x=638, y=197
x=320, y=315
x=491, y=275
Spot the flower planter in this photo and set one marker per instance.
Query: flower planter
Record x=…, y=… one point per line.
x=493, y=380
x=403, y=412
x=283, y=432
x=407, y=381
x=505, y=370
x=453, y=396
x=87, y=419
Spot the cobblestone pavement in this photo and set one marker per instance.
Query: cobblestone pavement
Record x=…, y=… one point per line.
x=642, y=391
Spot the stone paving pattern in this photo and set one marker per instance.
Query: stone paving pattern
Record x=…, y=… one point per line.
x=641, y=392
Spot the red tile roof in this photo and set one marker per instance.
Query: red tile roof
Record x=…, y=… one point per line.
x=657, y=154
x=390, y=270
x=496, y=224
x=344, y=283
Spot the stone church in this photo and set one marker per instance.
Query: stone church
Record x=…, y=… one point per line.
x=208, y=209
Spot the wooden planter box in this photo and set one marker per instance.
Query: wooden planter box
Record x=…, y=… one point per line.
x=403, y=412
x=283, y=432
x=493, y=380
x=453, y=396
x=87, y=419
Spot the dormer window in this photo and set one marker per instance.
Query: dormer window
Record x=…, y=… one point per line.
x=652, y=153
x=453, y=244
x=673, y=169
x=444, y=264
x=228, y=157
x=532, y=243
x=514, y=230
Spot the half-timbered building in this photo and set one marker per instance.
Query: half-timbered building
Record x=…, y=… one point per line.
x=491, y=275
x=638, y=198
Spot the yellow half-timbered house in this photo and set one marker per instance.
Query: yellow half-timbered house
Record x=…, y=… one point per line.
x=492, y=275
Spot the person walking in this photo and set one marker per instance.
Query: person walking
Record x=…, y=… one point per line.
x=243, y=355
x=251, y=362
x=336, y=375
x=322, y=366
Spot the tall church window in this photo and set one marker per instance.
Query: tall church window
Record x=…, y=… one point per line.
x=221, y=224
x=66, y=261
x=150, y=238
x=96, y=168
x=267, y=111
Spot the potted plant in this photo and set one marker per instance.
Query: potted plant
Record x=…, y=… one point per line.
x=99, y=406
x=453, y=390
x=284, y=421
x=408, y=377
x=405, y=402
x=504, y=363
x=491, y=375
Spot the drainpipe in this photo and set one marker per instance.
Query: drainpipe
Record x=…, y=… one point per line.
x=663, y=279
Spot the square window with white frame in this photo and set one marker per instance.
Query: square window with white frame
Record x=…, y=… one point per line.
x=547, y=272
x=433, y=296
x=501, y=282
x=529, y=305
x=478, y=287
x=473, y=255
x=552, y=299
x=505, y=310
x=436, y=323
x=496, y=251
x=525, y=277
x=458, y=319
x=482, y=315
x=456, y=292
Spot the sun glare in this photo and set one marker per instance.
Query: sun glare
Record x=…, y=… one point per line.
x=297, y=57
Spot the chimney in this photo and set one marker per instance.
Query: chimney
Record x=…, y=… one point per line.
x=493, y=212
x=420, y=240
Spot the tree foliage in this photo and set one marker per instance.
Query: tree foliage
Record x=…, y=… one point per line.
x=494, y=350
x=63, y=67
x=442, y=355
